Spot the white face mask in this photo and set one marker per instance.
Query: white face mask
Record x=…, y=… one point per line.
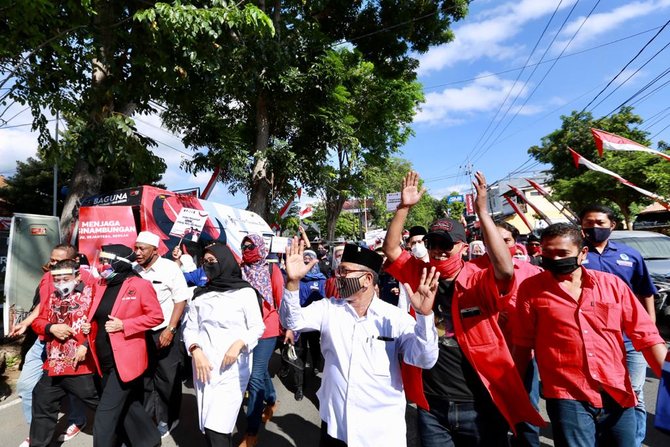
x=65, y=288
x=419, y=250
x=521, y=257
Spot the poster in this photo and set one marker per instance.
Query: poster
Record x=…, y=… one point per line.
x=392, y=201
x=102, y=225
x=189, y=224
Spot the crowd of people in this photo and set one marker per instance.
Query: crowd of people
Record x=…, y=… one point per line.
x=461, y=325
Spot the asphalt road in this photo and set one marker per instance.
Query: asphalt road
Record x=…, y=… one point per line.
x=294, y=424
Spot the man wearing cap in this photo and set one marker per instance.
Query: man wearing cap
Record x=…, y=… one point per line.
x=416, y=244
x=162, y=398
x=474, y=390
x=361, y=399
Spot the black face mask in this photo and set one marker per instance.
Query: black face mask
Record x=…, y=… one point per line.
x=563, y=266
x=212, y=270
x=349, y=286
x=597, y=234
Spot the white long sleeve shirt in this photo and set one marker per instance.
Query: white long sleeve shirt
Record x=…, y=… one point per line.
x=361, y=396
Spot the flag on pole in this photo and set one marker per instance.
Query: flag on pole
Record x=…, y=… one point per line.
x=210, y=184
x=613, y=142
x=579, y=160
x=284, y=211
x=537, y=187
x=516, y=209
x=306, y=211
x=544, y=193
x=536, y=209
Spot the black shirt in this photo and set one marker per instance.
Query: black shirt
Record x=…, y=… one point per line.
x=452, y=378
x=102, y=344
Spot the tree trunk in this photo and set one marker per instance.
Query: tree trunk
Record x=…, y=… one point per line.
x=333, y=209
x=259, y=194
x=84, y=183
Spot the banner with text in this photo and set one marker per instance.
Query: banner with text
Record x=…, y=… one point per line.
x=189, y=224
x=103, y=225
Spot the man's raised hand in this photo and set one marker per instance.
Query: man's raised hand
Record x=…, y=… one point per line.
x=296, y=269
x=411, y=194
x=422, y=300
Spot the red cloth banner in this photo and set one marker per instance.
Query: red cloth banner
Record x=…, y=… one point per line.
x=518, y=212
x=613, y=142
x=103, y=225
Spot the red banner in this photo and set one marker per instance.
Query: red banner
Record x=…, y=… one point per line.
x=469, y=204
x=103, y=225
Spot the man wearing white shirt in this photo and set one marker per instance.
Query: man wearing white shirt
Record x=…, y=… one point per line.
x=362, y=402
x=162, y=398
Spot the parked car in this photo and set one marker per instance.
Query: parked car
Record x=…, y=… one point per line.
x=655, y=249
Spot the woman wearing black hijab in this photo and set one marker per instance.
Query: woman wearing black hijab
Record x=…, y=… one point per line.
x=124, y=308
x=223, y=325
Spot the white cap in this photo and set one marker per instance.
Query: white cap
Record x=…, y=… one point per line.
x=147, y=237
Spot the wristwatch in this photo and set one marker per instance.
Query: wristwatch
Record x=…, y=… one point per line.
x=173, y=330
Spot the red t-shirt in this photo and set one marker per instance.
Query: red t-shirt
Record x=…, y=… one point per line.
x=270, y=314
x=579, y=344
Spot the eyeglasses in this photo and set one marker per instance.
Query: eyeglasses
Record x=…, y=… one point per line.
x=343, y=271
x=438, y=243
x=210, y=261
x=248, y=246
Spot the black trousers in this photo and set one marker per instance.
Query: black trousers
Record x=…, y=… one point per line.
x=121, y=412
x=327, y=440
x=47, y=396
x=216, y=439
x=162, y=388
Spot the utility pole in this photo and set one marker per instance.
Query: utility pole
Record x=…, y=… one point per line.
x=55, y=200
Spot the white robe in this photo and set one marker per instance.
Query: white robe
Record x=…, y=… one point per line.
x=214, y=321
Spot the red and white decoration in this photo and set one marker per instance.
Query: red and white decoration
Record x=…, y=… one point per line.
x=613, y=142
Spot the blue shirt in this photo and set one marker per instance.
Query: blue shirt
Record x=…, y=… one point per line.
x=196, y=278
x=624, y=262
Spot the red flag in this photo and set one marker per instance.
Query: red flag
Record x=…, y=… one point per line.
x=210, y=184
x=537, y=187
x=579, y=160
x=516, y=209
x=536, y=209
x=613, y=142
x=306, y=211
x=283, y=212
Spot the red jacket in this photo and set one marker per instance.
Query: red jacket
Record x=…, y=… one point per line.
x=480, y=339
x=137, y=306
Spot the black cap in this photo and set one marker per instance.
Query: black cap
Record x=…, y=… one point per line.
x=417, y=230
x=362, y=256
x=534, y=236
x=449, y=229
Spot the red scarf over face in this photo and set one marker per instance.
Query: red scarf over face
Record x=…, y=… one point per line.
x=448, y=268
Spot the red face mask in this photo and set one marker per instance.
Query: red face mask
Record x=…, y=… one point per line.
x=251, y=256
x=534, y=250
x=449, y=267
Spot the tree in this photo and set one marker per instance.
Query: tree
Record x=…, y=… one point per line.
x=454, y=209
x=580, y=186
x=100, y=62
x=269, y=119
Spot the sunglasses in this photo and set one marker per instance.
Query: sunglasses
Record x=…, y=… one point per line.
x=248, y=246
x=438, y=243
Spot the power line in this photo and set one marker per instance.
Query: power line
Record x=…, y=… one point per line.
x=649, y=84
x=644, y=98
x=586, y=50
x=473, y=151
x=543, y=78
x=626, y=66
x=633, y=74
x=659, y=132
x=651, y=124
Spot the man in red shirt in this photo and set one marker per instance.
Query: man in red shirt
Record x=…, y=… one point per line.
x=574, y=319
x=474, y=391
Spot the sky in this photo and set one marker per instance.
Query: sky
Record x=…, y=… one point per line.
x=482, y=110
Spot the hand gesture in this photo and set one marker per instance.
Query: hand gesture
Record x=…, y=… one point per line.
x=61, y=331
x=296, y=269
x=232, y=353
x=422, y=301
x=86, y=328
x=481, y=187
x=113, y=324
x=202, y=366
x=80, y=354
x=411, y=194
